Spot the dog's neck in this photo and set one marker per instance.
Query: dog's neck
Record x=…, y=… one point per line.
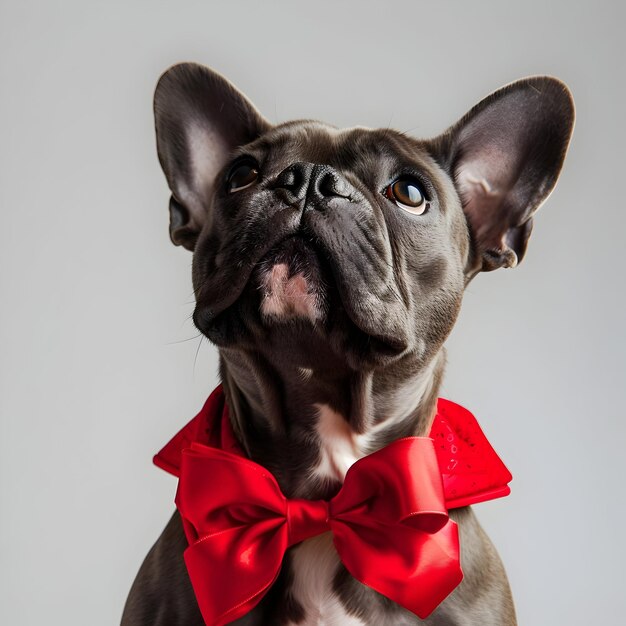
x=307, y=426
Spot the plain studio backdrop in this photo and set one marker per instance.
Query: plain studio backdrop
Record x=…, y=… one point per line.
x=100, y=362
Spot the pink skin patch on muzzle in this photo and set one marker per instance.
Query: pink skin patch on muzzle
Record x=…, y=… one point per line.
x=285, y=296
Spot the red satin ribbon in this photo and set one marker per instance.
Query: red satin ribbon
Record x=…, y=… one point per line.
x=389, y=520
x=389, y=523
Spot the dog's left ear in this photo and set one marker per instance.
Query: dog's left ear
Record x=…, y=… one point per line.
x=505, y=156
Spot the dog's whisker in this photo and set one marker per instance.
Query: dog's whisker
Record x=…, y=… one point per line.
x=195, y=359
x=172, y=343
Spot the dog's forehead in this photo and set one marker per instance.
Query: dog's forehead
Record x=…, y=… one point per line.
x=317, y=142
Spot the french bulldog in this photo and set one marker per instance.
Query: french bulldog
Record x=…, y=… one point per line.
x=328, y=268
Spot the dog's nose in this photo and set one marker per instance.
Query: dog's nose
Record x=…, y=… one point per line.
x=308, y=181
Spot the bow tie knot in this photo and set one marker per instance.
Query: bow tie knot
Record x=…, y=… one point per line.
x=306, y=519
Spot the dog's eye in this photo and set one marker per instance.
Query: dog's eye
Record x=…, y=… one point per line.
x=408, y=195
x=242, y=176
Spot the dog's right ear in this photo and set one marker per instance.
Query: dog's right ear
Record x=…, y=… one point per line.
x=200, y=118
x=504, y=157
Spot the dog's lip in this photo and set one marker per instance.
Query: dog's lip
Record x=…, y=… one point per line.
x=291, y=282
x=207, y=314
x=388, y=346
x=294, y=247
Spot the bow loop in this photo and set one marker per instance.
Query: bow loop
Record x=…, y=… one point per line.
x=399, y=484
x=221, y=490
x=235, y=519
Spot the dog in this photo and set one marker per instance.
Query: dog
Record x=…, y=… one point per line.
x=329, y=267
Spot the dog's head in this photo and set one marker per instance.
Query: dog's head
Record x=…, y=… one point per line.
x=361, y=241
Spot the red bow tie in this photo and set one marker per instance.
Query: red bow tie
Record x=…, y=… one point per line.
x=389, y=520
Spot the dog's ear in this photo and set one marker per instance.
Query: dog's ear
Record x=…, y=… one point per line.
x=200, y=118
x=505, y=156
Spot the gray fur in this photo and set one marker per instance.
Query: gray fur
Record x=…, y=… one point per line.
x=387, y=286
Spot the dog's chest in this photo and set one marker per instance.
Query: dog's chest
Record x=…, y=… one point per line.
x=314, y=565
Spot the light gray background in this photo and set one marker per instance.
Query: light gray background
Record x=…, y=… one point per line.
x=98, y=356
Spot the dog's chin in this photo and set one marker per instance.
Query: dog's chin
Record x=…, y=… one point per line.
x=291, y=293
x=287, y=288
x=292, y=284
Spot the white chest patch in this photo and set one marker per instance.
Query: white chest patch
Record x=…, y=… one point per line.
x=339, y=447
x=315, y=563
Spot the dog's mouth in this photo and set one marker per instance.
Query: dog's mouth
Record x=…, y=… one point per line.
x=292, y=282
x=294, y=286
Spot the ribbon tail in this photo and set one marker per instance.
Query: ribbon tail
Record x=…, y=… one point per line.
x=440, y=571
x=229, y=586
x=427, y=571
